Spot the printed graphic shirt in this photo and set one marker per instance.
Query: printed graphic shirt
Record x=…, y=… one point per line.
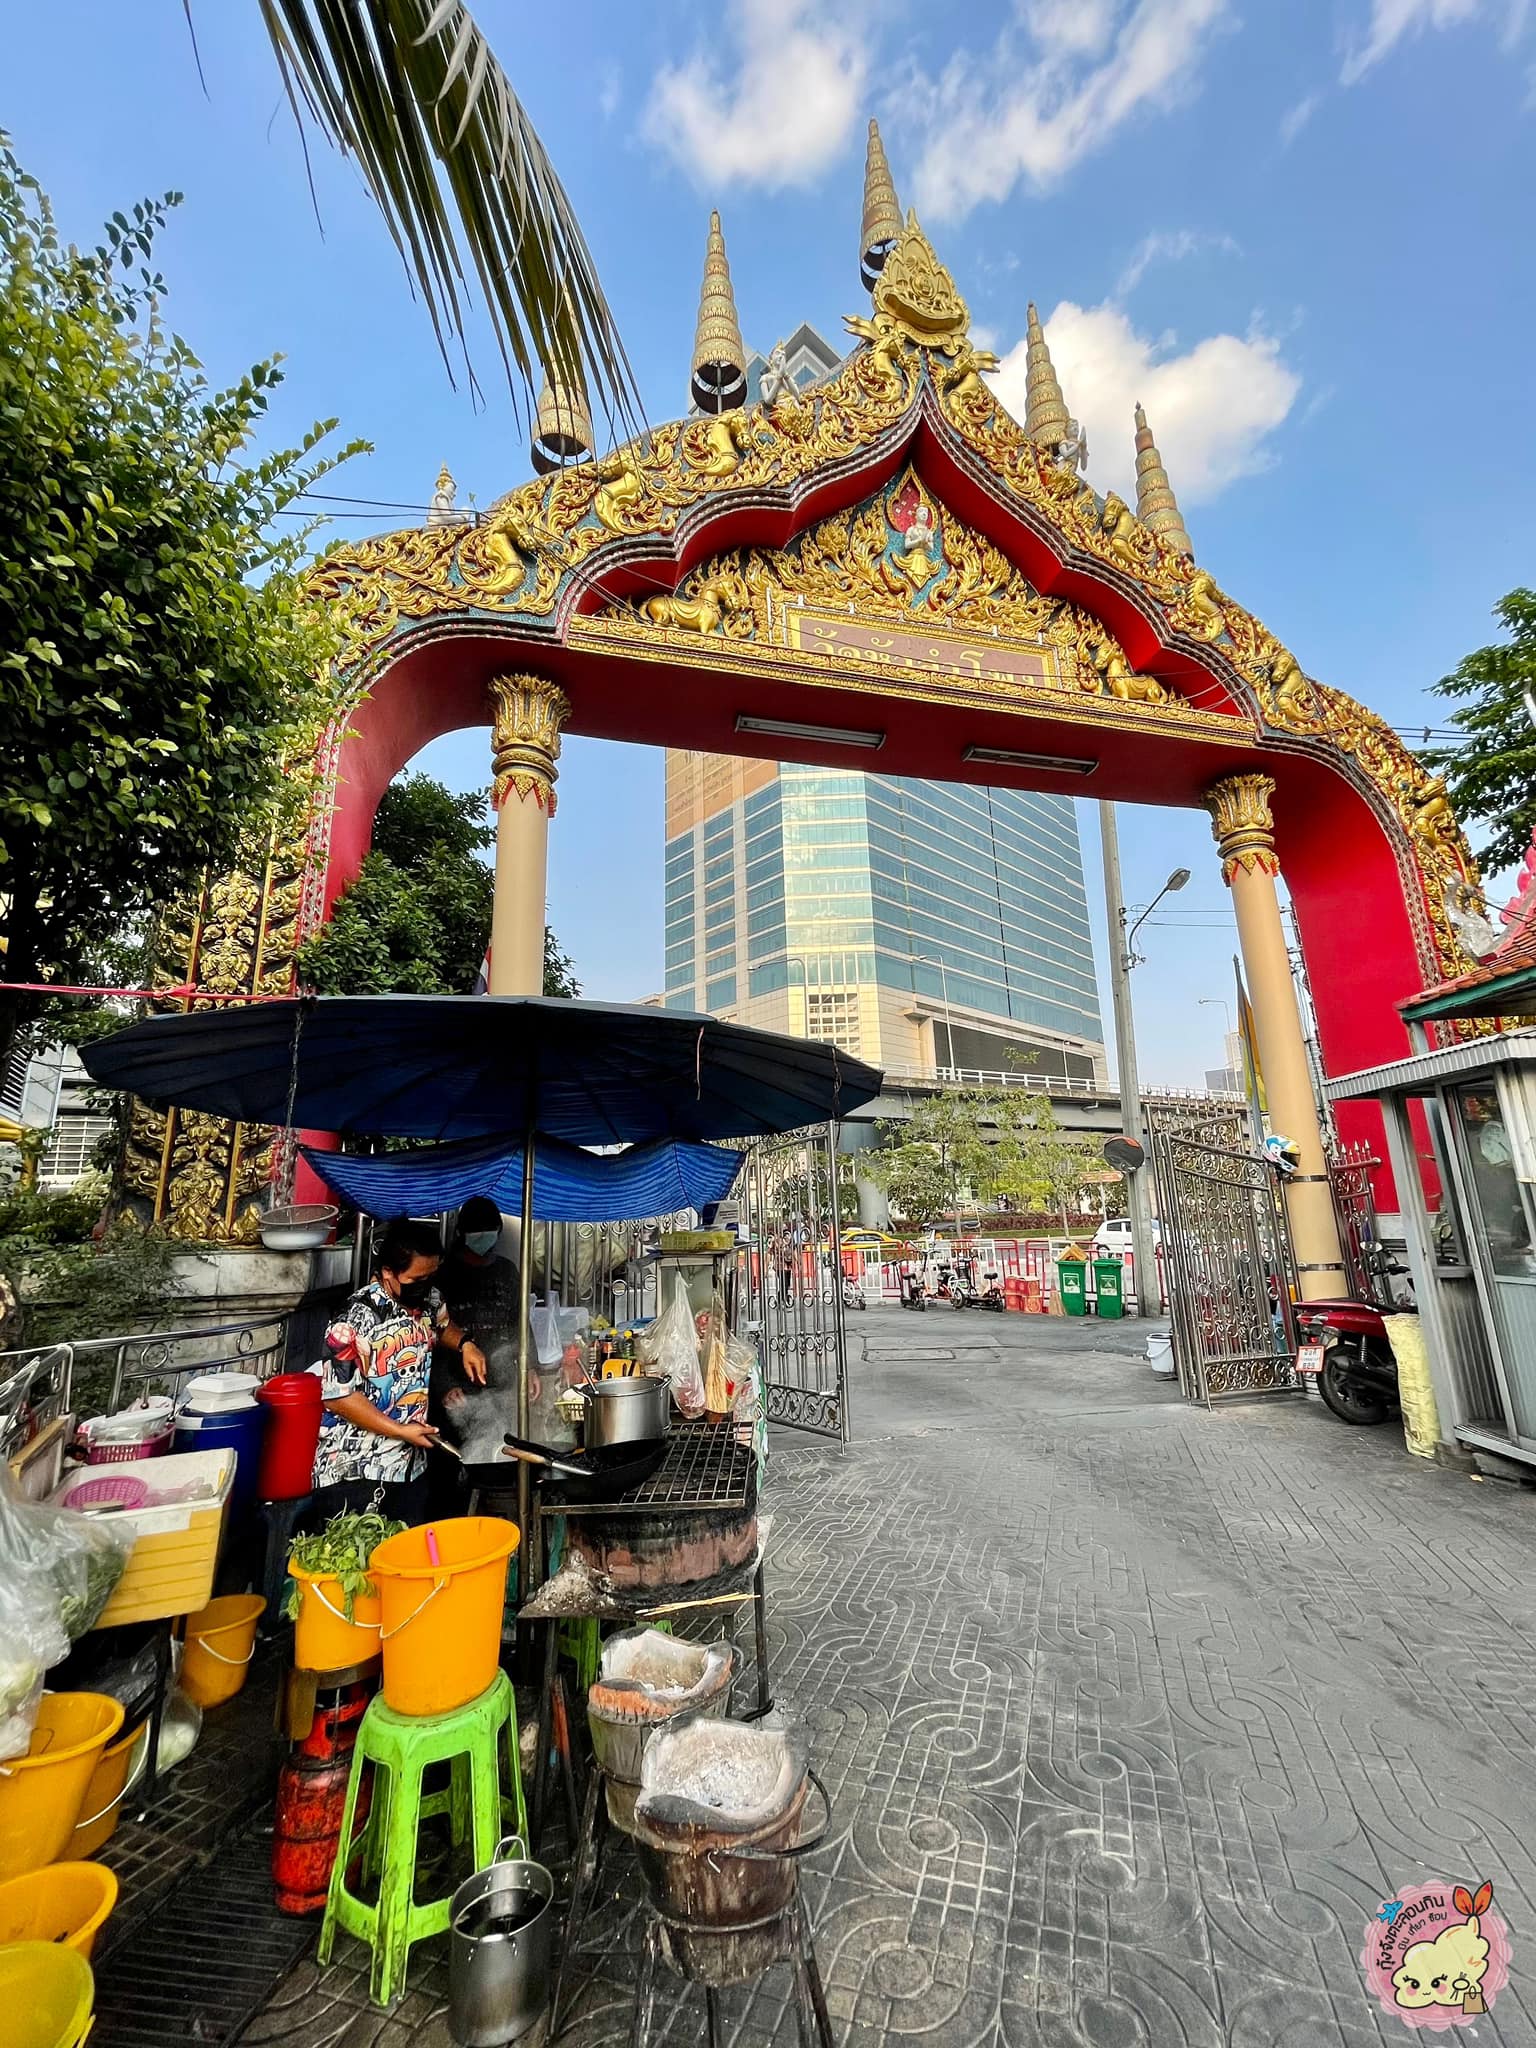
x=378, y=1347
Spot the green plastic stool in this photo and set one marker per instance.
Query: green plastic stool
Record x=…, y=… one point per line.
x=402, y=1747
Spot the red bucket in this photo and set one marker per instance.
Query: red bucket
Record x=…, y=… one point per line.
x=292, y=1402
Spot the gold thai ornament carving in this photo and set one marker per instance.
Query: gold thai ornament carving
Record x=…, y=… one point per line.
x=1244, y=825
x=528, y=715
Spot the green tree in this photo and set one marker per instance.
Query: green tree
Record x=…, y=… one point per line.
x=916, y=1181
x=1040, y=1164
x=1491, y=773
x=156, y=663
x=417, y=918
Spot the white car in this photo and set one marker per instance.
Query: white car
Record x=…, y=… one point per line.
x=1114, y=1235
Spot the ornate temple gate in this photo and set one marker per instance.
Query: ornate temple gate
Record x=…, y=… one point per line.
x=792, y=1284
x=1227, y=1255
x=886, y=566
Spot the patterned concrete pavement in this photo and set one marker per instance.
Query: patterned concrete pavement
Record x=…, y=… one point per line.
x=1131, y=1715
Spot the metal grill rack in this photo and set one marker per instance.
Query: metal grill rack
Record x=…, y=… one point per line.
x=704, y=1467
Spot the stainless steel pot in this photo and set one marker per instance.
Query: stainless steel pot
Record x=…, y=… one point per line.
x=500, y=1930
x=629, y=1411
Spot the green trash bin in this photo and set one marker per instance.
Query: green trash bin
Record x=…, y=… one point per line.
x=1109, y=1280
x=1072, y=1278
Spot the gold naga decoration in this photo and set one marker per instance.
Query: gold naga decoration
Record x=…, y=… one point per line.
x=1244, y=825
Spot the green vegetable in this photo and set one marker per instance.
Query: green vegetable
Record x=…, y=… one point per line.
x=339, y=1551
x=79, y=1605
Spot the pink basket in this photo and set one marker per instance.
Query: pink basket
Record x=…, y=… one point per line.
x=126, y=1491
x=124, y=1454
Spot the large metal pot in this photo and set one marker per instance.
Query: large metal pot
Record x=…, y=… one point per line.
x=628, y=1411
x=500, y=1929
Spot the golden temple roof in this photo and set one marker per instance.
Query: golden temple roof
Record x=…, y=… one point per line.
x=1156, y=506
x=1046, y=419
x=719, y=380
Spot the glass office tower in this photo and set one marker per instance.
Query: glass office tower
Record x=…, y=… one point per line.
x=917, y=924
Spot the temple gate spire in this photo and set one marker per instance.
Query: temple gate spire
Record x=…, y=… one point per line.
x=1046, y=418
x=882, y=215
x=562, y=422
x=1156, y=506
x=719, y=381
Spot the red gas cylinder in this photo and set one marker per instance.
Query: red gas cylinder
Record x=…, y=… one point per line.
x=338, y=1715
x=310, y=1800
x=292, y=1402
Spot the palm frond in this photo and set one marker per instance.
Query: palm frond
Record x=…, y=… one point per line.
x=411, y=89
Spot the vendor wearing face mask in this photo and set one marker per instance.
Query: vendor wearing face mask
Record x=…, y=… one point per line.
x=378, y=1358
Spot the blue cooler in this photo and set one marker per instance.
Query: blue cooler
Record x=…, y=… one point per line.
x=209, y=1419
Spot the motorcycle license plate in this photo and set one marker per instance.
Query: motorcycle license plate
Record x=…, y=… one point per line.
x=1309, y=1358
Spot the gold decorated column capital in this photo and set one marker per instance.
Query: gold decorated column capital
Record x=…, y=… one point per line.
x=528, y=715
x=1243, y=824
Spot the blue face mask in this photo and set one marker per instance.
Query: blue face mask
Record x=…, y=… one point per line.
x=481, y=1242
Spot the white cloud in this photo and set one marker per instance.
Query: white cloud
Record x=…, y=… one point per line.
x=1392, y=20
x=1085, y=69
x=780, y=113
x=610, y=92
x=1296, y=118
x=1169, y=248
x=1212, y=408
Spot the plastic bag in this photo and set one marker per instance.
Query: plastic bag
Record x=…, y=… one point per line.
x=554, y=1326
x=81, y=1558
x=31, y=1638
x=669, y=1347
x=744, y=1370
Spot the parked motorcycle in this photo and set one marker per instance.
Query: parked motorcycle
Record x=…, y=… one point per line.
x=912, y=1295
x=853, y=1294
x=991, y=1296
x=1345, y=1348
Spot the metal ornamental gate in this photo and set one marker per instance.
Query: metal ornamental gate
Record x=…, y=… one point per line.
x=792, y=1279
x=1226, y=1255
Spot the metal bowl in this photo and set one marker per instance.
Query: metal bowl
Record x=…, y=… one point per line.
x=301, y=1227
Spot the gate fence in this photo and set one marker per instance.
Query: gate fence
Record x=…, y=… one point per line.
x=1228, y=1256
x=791, y=1279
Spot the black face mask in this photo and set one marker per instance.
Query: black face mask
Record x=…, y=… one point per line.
x=414, y=1293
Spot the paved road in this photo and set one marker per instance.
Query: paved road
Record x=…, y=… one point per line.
x=1131, y=1713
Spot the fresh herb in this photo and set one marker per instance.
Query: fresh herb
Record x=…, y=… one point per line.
x=339, y=1551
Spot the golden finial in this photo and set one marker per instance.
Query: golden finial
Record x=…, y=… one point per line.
x=562, y=428
x=1046, y=419
x=1156, y=506
x=719, y=361
x=882, y=215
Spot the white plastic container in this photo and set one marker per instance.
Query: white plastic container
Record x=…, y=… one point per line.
x=216, y=1393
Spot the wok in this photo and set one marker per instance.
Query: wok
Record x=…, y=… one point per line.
x=579, y=1476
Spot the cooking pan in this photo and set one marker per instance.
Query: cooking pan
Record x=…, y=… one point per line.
x=579, y=1476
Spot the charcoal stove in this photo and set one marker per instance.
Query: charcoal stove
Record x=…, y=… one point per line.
x=694, y=1518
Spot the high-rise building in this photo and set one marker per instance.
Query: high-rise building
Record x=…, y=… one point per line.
x=917, y=924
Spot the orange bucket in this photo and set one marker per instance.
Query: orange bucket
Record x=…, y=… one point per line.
x=221, y=1641
x=323, y=1638
x=102, y=1805
x=442, y=1617
x=64, y=1902
x=42, y=1794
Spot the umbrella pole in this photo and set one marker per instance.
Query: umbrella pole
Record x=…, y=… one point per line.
x=526, y=1565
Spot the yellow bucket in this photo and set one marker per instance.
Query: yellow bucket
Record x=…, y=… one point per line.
x=221, y=1641
x=101, y=1808
x=42, y=1794
x=63, y=1902
x=442, y=1616
x=46, y=1994
x=323, y=1638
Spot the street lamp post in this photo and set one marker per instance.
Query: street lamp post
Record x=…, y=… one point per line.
x=1122, y=958
x=928, y=960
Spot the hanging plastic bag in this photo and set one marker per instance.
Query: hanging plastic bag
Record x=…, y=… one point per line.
x=31, y=1638
x=744, y=1370
x=554, y=1326
x=79, y=1557
x=669, y=1348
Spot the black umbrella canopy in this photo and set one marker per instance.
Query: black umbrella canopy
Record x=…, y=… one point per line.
x=473, y=1066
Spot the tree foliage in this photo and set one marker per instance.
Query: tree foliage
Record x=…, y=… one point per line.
x=156, y=663
x=417, y=919
x=964, y=1143
x=1491, y=773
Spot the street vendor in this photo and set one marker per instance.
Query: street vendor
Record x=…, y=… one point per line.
x=375, y=1433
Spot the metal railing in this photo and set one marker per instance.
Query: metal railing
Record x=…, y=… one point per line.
x=144, y=1359
x=993, y=1078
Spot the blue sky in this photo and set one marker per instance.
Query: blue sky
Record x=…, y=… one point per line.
x=1299, y=232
